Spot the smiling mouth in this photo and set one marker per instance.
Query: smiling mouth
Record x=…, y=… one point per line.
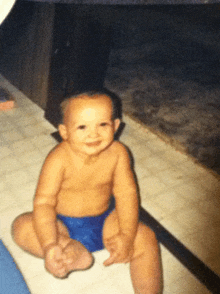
x=93, y=144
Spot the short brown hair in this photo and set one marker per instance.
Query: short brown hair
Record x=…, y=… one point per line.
x=116, y=102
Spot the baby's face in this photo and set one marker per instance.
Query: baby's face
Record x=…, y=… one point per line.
x=88, y=125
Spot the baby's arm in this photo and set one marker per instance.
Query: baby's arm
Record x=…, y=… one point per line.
x=44, y=213
x=127, y=207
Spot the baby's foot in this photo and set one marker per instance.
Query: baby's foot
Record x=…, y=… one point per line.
x=77, y=256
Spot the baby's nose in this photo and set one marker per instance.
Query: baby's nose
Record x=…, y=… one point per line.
x=93, y=132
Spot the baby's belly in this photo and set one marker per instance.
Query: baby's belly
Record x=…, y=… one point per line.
x=81, y=204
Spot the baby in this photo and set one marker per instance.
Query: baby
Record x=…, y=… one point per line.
x=72, y=216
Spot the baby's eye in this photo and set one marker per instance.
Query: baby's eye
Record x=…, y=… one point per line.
x=104, y=124
x=82, y=127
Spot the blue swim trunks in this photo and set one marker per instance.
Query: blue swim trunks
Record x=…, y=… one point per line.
x=87, y=230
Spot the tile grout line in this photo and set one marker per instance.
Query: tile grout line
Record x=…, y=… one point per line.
x=178, y=147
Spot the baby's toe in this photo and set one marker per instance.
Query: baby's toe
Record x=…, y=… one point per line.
x=77, y=257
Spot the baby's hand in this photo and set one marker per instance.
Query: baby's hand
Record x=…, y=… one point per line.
x=55, y=261
x=120, y=247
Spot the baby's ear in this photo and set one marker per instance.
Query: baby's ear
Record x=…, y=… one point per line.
x=62, y=131
x=117, y=123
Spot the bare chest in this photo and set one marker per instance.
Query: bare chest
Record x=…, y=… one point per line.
x=86, y=177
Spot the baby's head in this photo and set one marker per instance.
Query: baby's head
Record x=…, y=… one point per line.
x=116, y=102
x=90, y=120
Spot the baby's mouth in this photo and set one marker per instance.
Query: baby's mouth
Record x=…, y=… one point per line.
x=93, y=144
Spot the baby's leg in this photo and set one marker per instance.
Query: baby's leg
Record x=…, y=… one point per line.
x=145, y=264
x=77, y=256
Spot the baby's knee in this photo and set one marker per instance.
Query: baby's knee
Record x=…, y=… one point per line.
x=18, y=228
x=146, y=236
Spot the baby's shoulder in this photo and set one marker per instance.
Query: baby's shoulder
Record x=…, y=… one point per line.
x=119, y=148
x=57, y=154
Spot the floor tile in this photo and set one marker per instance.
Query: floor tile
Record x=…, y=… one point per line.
x=22, y=146
x=7, y=200
x=177, y=279
x=171, y=224
x=35, y=130
x=209, y=182
x=192, y=220
x=34, y=170
x=156, y=164
x=171, y=176
x=203, y=249
x=172, y=268
x=45, y=150
x=151, y=186
x=210, y=207
x=30, y=265
x=26, y=120
x=192, y=191
x=31, y=157
x=153, y=208
x=214, y=264
x=107, y=287
x=141, y=171
x=187, y=284
x=3, y=184
x=12, y=135
x=171, y=202
x=10, y=163
x=24, y=193
x=139, y=152
x=45, y=283
x=6, y=126
x=7, y=217
x=192, y=169
x=42, y=140
x=5, y=151
x=17, y=178
x=157, y=146
x=174, y=157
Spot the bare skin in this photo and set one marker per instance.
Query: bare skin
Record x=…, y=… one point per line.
x=77, y=179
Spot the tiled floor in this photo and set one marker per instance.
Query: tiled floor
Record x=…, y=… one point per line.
x=184, y=197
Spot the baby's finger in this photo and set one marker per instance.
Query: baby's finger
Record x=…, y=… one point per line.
x=110, y=260
x=126, y=260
